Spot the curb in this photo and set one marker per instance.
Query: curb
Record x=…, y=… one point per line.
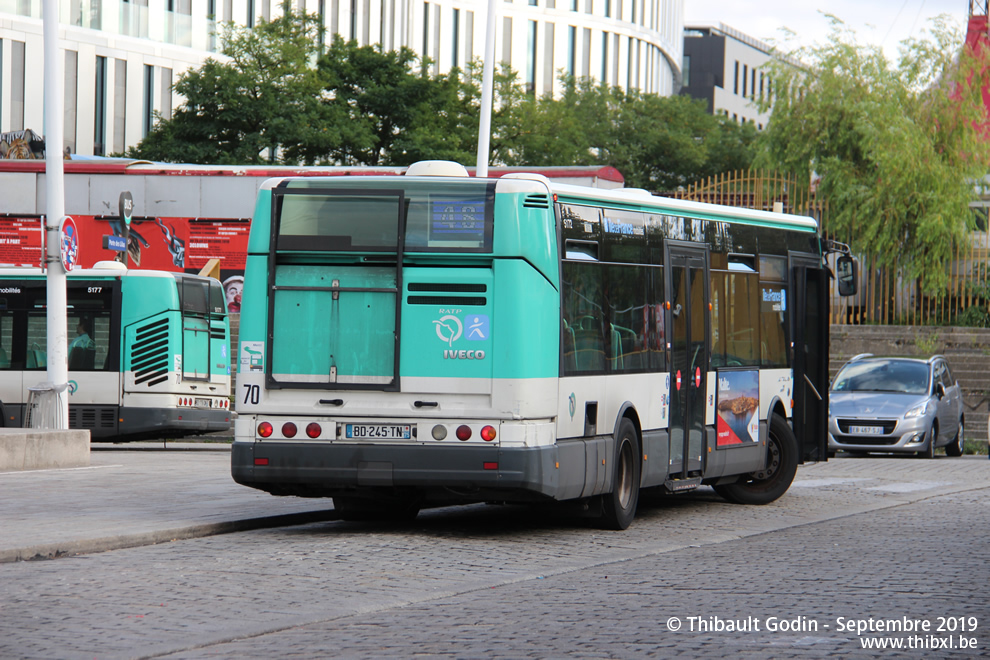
x=159, y=446
x=90, y=546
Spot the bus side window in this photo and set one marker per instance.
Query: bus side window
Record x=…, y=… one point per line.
x=629, y=317
x=37, y=341
x=584, y=316
x=718, y=318
x=6, y=339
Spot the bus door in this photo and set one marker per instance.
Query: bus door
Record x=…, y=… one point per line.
x=809, y=292
x=688, y=319
x=344, y=311
x=194, y=297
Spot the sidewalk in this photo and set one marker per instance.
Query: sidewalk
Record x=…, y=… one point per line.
x=137, y=494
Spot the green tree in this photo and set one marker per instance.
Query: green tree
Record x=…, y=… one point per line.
x=266, y=98
x=897, y=147
x=390, y=114
x=656, y=142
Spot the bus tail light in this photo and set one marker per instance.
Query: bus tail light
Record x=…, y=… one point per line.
x=488, y=433
x=463, y=432
x=289, y=430
x=313, y=430
x=439, y=432
x=265, y=429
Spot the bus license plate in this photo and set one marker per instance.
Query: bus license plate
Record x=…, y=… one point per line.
x=377, y=431
x=866, y=430
x=202, y=403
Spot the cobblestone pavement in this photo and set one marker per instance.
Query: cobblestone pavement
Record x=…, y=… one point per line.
x=854, y=539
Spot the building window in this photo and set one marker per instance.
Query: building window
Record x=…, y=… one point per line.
x=469, y=37
x=149, y=100
x=100, y=108
x=571, y=50
x=586, y=53
x=17, y=73
x=605, y=57
x=69, y=100
x=426, y=29
x=456, y=35
x=735, y=79
x=507, y=41
x=548, y=58
x=354, y=20
x=119, y=105
x=752, y=84
x=321, y=12
x=531, y=58
x=165, y=97
x=686, y=71
x=744, y=77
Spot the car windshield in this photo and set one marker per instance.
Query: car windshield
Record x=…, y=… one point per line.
x=883, y=376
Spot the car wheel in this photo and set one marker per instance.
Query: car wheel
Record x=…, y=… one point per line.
x=929, y=450
x=956, y=447
x=619, y=506
x=772, y=481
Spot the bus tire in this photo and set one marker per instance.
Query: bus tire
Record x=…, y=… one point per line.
x=773, y=481
x=358, y=509
x=619, y=506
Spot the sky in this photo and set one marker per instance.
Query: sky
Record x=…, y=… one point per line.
x=879, y=22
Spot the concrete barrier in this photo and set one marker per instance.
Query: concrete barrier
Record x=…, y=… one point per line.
x=39, y=449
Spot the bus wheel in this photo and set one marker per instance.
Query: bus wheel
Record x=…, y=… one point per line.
x=619, y=506
x=358, y=509
x=771, y=482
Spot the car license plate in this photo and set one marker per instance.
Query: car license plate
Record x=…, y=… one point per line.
x=866, y=430
x=202, y=403
x=377, y=431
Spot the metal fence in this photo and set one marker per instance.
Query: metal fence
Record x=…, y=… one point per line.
x=885, y=295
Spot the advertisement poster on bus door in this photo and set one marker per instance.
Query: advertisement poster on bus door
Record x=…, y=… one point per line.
x=738, y=406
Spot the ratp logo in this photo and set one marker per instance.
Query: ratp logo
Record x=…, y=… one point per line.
x=449, y=328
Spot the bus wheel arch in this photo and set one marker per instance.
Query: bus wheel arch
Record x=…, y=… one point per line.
x=619, y=505
x=768, y=484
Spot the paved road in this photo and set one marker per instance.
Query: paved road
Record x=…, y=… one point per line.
x=854, y=538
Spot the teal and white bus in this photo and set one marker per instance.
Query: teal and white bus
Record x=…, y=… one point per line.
x=148, y=354
x=432, y=338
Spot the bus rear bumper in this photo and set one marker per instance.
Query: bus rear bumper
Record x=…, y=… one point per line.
x=323, y=470
x=177, y=422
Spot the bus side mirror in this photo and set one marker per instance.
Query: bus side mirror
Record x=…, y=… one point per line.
x=845, y=267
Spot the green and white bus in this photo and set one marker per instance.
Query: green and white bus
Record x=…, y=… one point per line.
x=148, y=354
x=431, y=338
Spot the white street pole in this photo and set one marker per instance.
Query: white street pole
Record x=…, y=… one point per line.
x=487, y=83
x=58, y=343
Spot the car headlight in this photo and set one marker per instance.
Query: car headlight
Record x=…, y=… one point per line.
x=917, y=411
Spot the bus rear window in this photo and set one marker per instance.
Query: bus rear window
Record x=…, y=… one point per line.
x=435, y=217
x=193, y=296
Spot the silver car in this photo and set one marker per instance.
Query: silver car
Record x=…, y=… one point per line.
x=895, y=405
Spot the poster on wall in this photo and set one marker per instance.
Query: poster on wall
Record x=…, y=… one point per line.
x=20, y=242
x=738, y=406
x=182, y=245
